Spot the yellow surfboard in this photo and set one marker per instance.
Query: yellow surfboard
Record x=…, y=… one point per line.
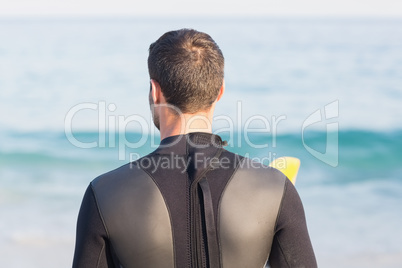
x=288, y=166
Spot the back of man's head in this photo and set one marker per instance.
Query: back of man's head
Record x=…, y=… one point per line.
x=189, y=67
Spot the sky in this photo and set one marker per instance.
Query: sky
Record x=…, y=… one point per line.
x=45, y=8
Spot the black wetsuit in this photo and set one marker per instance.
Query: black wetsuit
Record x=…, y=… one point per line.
x=191, y=203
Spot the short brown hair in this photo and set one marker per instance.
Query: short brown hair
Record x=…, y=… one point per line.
x=189, y=67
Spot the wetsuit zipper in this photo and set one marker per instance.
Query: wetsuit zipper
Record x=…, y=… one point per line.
x=196, y=223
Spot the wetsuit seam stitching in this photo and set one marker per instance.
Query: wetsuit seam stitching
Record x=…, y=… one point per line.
x=100, y=255
x=281, y=249
x=189, y=212
x=102, y=219
x=99, y=211
x=280, y=206
x=170, y=214
x=276, y=222
x=219, y=208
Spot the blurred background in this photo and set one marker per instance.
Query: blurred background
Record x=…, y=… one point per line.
x=74, y=104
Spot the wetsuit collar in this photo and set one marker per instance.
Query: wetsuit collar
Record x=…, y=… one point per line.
x=178, y=143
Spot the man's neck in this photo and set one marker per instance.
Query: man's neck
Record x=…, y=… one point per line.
x=187, y=123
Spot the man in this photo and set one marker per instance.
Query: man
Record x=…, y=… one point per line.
x=191, y=203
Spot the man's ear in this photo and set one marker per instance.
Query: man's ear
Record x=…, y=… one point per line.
x=221, y=90
x=156, y=92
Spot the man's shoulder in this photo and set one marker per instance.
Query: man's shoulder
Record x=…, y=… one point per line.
x=125, y=172
x=251, y=170
x=243, y=163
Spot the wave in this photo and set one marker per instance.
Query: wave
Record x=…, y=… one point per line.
x=367, y=153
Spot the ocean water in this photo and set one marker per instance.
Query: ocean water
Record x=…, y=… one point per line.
x=73, y=95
